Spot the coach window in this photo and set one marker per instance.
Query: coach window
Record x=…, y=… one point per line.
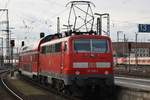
x=58, y=47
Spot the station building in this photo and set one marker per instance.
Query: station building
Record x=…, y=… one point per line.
x=139, y=49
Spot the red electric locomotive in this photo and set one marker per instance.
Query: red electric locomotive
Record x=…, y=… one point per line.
x=71, y=62
x=81, y=60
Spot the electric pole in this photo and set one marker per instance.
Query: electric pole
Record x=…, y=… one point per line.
x=7, y=34
x=136, y=56
x=58, y=25
x=106, y=15
x=117, y=51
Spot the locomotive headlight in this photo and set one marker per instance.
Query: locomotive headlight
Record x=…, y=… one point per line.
x=80, y=65
x=103, y=64
x=106, y=72
x=77, y=72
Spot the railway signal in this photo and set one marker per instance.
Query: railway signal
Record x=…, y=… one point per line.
x=12, y=43
x=42, y=35
x=22, y=43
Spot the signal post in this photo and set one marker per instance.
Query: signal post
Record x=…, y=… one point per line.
x=12, y=44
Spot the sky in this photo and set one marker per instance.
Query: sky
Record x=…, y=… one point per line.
x=30, y=17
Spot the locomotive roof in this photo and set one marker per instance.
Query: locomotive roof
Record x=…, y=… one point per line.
x=49, y=40
x=56, y=41
x=73, y=36
x=32, y=47
x=35, y=46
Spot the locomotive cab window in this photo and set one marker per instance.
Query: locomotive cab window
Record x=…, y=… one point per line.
x=90, y=45
x=99, y=46
x=82, y=45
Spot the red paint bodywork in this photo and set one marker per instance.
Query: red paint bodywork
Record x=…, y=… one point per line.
x=62, y=62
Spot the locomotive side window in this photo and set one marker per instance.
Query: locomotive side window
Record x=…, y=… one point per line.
x=58, y=47
x=91, y=45
x=48, y=49
x=54, y=48
x=51, y=48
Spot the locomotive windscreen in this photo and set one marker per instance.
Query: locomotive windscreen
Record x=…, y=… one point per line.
x=90, y=45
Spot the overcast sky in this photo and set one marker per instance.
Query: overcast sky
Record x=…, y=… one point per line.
x=30, y=17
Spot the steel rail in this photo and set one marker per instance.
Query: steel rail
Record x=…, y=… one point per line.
x=11, y=90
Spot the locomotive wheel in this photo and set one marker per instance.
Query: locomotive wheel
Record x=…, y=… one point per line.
x=45, y=80
x=54, y=83
x=35, y=77
x=61, y=87
x=40, y=79
x=66, y=90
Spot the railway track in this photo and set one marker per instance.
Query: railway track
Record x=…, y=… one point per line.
x=49, y=88
x=4, y=71
x=60, y=95
x=54, y=95
x=133, y=83
x=6, y=91
x=11, y=91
